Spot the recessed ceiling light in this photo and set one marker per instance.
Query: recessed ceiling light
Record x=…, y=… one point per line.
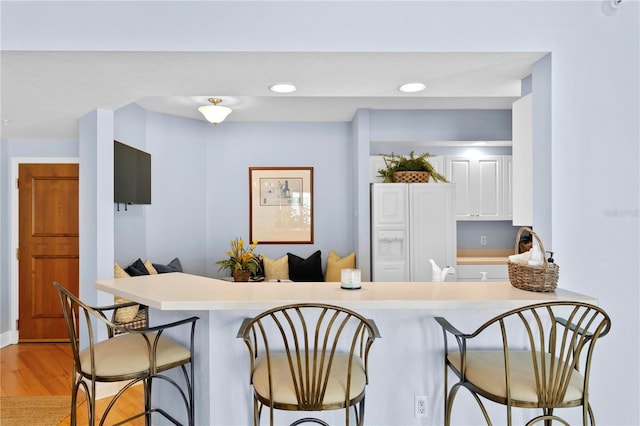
x=283, y=88
x=412, y=87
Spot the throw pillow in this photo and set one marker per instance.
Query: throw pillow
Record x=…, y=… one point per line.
x=276, y=269
x=118, y=272
x=259, y=274
x=149, y=266
x=128, y=313
x=137, y=268
x=309, y=269
x=336, y=263
x=173, y=266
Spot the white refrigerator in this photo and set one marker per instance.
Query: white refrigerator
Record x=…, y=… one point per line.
x=410, y=224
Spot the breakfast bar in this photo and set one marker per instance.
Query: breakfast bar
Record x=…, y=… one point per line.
x=406, y=362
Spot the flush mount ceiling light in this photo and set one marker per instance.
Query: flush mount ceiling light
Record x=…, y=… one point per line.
x=215, y=113
x=412, y=87
x=283, y=88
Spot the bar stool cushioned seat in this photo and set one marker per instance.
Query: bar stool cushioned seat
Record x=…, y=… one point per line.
x=487, y=367
x=128, y=355
x=284, y=388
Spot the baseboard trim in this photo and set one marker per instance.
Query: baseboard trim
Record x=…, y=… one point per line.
x=8, y=338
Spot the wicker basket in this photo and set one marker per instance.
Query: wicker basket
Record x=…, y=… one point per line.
x=543, y=278
x=411, y=177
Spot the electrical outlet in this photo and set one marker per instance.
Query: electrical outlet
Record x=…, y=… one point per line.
x=483, y=240
x=420, y=406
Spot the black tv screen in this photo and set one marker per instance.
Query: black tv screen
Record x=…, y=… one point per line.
x=131, y=175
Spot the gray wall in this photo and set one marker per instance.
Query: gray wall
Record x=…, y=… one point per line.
x=500, y=234
x=440, y=125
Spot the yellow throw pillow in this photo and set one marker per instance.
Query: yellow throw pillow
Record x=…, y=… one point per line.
x=150, y=268
x=276, y=269
x=118, y=272
x=128, y=313
x=336, y=263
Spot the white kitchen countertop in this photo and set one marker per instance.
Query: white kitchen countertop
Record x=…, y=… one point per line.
x=180, y=291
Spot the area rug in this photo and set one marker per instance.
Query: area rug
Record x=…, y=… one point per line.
x=33, y=410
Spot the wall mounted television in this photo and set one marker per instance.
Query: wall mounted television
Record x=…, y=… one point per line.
x=131, y=175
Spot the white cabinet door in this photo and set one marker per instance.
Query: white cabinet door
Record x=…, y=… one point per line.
x=458, y=171
x=479, y=186
x=390, y=204
x=389, y=238
x=507, y=189
x=522, y=151
x=489, y=188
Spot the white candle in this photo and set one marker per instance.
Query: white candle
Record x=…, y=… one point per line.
x=350, y=279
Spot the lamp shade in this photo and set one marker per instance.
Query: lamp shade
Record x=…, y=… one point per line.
x=215, y=113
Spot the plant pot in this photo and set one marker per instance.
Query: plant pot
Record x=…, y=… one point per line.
x=411, y=177
x=241, y=275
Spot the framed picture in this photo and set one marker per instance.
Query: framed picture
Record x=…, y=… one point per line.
x=281, y=205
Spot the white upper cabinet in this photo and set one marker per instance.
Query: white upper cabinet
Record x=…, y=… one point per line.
x=522, y=152
x=480, y=186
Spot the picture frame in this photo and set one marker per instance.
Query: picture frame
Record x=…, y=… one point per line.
x=281, y=205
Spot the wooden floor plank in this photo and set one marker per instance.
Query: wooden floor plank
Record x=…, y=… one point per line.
x=41, y=369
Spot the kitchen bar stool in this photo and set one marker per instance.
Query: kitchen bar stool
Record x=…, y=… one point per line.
x=137, y=355
x=542, y=359
x=308, y=357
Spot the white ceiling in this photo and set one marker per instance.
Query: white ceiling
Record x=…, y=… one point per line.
x=44, y=93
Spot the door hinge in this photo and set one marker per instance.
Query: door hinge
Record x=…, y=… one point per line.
x=18, y=253
x=17, y=183
x=17, y=324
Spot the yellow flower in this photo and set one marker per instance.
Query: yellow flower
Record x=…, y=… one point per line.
x=240, y=258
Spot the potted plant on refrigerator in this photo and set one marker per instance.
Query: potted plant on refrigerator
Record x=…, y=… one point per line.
x=409, y=169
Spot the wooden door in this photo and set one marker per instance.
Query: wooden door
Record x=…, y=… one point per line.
x=48, y=247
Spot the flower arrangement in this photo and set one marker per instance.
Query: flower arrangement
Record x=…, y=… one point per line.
x=241, y=257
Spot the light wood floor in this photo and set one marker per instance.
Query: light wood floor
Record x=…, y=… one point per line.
x=41, y=369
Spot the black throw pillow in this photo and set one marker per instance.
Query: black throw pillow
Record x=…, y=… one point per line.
x=173, y=266
x=309, y=269
x=136, y=269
